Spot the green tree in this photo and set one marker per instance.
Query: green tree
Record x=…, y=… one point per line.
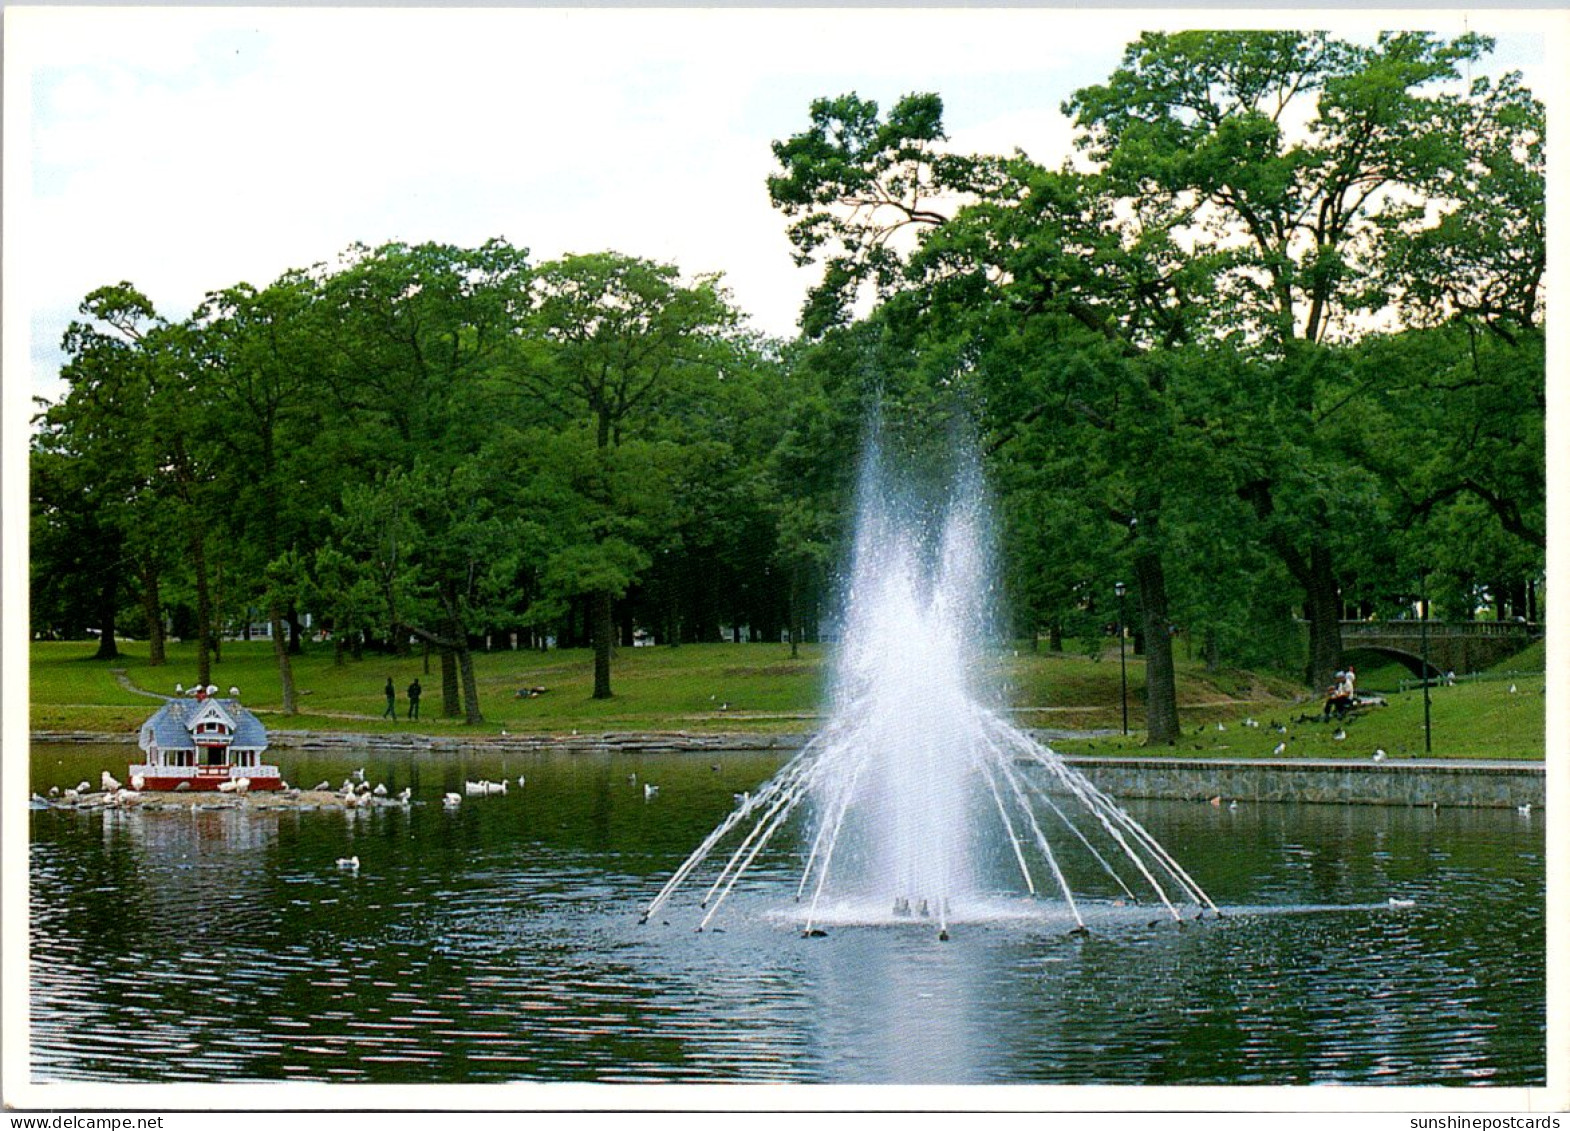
x=612, y=343
x=1198, y=129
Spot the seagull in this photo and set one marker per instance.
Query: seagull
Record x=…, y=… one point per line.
x=54, y=791
x=1340, y=735
x=109, y=784
x=520, y=781
x=451, y=800
x=407, y=793
x=1251, y=722
x=321, y=785
x=741, y=798
x=1524, y=810
x=1379, y=755
x=1233, y=805
x=234, y=693
x=1512, y=689
x=649, y=790
x=349, y=863
x=359, y=775
x=1281, y=748
x=182, y=787
x=474, y=788
x=83, y=787
x=632, y=779
x=1221, y=726
x=380, y=790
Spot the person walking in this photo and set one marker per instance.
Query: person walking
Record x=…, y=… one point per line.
x=414, y=699
x=392, y=700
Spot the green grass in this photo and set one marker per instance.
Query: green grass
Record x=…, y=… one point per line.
x=763, y=690
x=1481, y=719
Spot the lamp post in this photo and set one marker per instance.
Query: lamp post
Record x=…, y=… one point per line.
x=1428, y=732
x=1120, y=589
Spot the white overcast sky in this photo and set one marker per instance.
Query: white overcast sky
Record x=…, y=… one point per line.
x=186, y=150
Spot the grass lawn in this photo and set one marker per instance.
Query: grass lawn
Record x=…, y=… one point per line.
x=759, y=688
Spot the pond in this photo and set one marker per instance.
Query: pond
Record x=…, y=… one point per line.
x=499, y=941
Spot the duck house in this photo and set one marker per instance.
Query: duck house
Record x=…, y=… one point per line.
x=204, y=742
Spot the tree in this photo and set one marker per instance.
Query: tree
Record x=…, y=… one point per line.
x=260, y=380
x=1197, y=128
x=612, y=342
x=410, y=337
x=105, y=475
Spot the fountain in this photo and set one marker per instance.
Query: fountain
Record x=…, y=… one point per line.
x=921, y=793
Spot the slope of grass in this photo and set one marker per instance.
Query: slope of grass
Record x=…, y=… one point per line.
x=1481, y=719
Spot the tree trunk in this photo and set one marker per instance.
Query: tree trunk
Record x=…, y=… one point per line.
x=281, y=654
x=107, y=593
x=1054, y=637
x=1317, y=577
x=204, y=610
x=1161, y=712
x=451, y=707
x=603, y=628
x=471, y=691
x=153, y=614
x=1324, y=619
x=1212, y=651
x=794, y=609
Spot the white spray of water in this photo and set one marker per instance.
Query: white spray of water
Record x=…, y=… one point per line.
x=918, y=782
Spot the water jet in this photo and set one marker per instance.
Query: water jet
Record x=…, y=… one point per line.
x=920, y=799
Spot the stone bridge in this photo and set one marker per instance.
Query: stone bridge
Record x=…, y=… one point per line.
x=1455, y=646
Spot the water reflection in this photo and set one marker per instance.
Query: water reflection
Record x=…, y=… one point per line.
x=500, y=942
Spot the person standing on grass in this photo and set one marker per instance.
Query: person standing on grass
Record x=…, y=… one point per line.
x=414, y=699
x=392, y=700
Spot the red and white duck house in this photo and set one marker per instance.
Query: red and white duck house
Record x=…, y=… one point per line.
x=204, y=741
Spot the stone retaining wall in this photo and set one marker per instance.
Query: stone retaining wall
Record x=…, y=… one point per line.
x=1426, y=782
x=1409, y=782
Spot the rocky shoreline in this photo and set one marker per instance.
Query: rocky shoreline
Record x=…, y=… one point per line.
x=297, y=800
x=598, y=743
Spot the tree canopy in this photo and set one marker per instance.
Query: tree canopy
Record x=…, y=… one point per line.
x=1270, y=352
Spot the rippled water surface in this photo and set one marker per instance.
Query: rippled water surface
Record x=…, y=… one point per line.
x=501, y=941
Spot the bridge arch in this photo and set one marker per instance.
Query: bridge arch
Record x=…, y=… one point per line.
x=1412, y=662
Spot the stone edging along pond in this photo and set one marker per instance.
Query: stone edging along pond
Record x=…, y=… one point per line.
x=1423, y=782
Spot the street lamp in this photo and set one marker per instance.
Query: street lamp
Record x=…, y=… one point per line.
x=1428, y=732
x=1120, y=589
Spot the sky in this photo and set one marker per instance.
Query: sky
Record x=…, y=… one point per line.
x=186, y=150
